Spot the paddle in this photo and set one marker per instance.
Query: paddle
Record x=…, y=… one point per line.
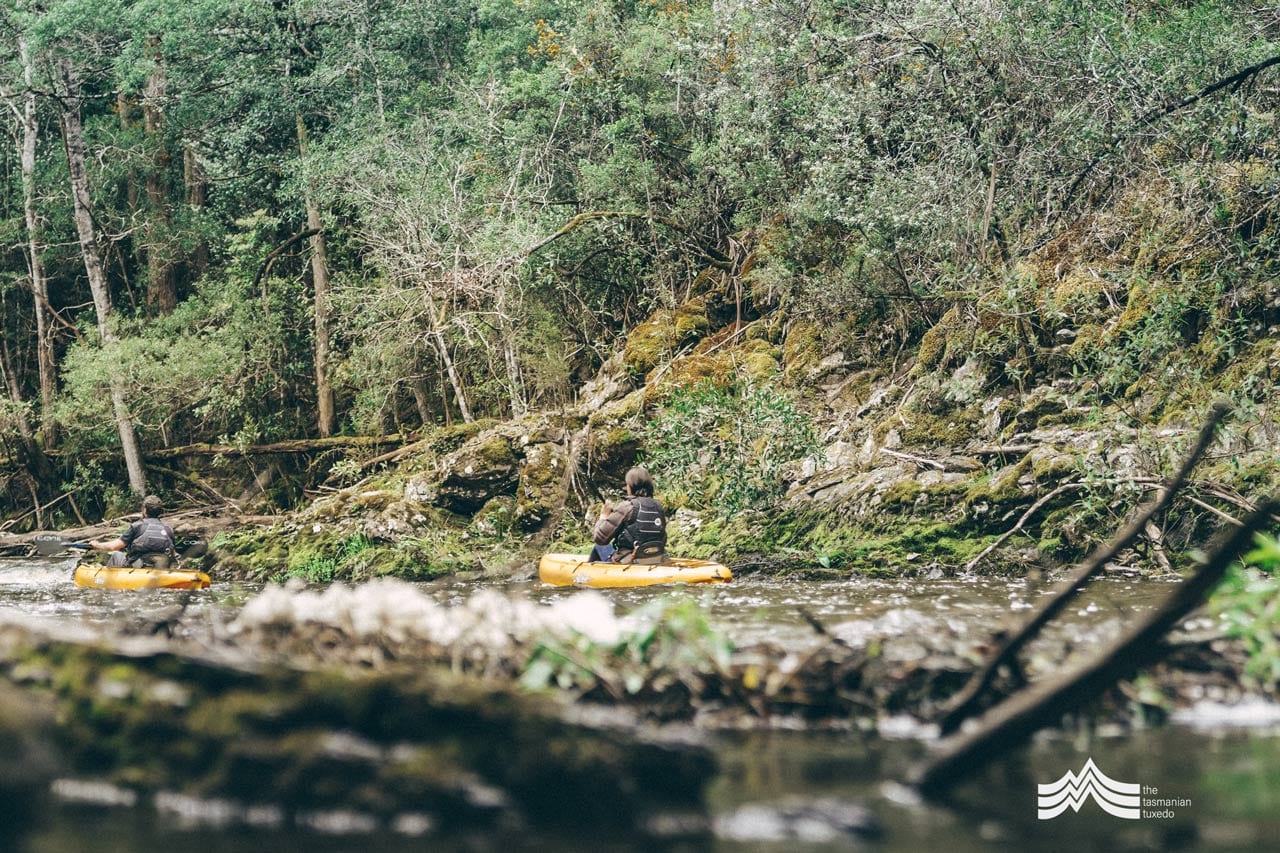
x=49, y=544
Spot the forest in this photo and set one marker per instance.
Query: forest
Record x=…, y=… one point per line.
x=948, y=330
x=242, y=222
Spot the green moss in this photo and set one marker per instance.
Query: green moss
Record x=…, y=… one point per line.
x=999, y=490
x=951, y=428
x=903, y=493
x=933, y=347
x=759, y=358
x=450, y=438
x=542, y=478
x=612, y=442
x=496, y=452
x=1053, y=467
x=801, y=350
x=495, y=518
x=663, y=334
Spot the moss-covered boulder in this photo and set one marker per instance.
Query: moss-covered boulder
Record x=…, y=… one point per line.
x=801, y=351
x=496, y=517
x=482, y=468
x=664, y=334
x=612, y=381
x=613, y=437
x=541, y=485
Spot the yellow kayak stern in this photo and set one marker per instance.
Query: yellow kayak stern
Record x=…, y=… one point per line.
x=575, y=570
x=110, y=577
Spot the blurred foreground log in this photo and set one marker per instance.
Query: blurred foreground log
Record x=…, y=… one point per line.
x=447, y=751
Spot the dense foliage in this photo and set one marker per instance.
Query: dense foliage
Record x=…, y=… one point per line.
x=429, y=211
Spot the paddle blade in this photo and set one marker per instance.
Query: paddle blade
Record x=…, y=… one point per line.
x=48, y=544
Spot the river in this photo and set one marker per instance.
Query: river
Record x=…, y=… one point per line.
x=1220, y=766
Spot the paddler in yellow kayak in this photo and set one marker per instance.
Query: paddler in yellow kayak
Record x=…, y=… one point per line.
x=634, y=531
x=148, y=541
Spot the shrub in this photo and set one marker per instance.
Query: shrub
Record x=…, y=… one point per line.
x=728, y=448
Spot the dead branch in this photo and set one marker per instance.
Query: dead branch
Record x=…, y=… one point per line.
x=918, y=460
x=279, y=250
x=1156, y=537
x=1229, y=519
x=1002, y=449
x=1026, y=516
x=966, y=701
x=1009, y=723
x=1234, y=81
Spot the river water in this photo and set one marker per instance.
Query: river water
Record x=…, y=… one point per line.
x=1221, y=765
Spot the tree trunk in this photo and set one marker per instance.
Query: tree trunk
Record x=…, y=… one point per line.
x=446, y=359
x=197, y=196
x=73, y=136
x=320, y=279
x=515, y=380
x=39, y=283
x=10, y=380
x=161, y=282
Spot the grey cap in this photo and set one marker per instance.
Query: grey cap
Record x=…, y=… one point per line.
x=152, y=505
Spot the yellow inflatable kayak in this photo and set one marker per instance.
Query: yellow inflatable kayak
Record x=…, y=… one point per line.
x=107, y=577
x=574, y=570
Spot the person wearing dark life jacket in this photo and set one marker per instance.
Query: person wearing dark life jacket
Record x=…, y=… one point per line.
x=637, y=526
x=147, y=542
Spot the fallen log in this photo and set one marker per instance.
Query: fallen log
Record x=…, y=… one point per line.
x=164, y=718
x=965, y=704
x=297, y=445
x=1008, y=724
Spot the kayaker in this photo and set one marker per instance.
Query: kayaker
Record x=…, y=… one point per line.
x=147, y=542
x=634, y=531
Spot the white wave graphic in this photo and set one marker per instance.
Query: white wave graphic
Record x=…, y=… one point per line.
x=1120, y=799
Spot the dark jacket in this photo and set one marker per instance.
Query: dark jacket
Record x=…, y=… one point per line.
x=636, y=525
x=148, y=536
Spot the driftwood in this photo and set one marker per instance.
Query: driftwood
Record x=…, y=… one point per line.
x=966, y=701
x=297, y=445
x=918, y=460
x=1002, y=450
x=1011, y=722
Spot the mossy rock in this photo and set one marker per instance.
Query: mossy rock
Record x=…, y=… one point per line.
x=663, y=334
x=759, y=359
x=1039, y=405
x=902, y=494
x=473, y=755
x=484, y=467
x=613, y=440
x=541, y=486
x=935, y=347
x=1079, y=297
x=1052, y=466
x=496, y=517
x=686, y=372
x=949, y=429
x=1000, y=491
x=801, y=350
x=450, y=438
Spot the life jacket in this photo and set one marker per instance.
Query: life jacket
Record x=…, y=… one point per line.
x=152, y=537
x=645, y=533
